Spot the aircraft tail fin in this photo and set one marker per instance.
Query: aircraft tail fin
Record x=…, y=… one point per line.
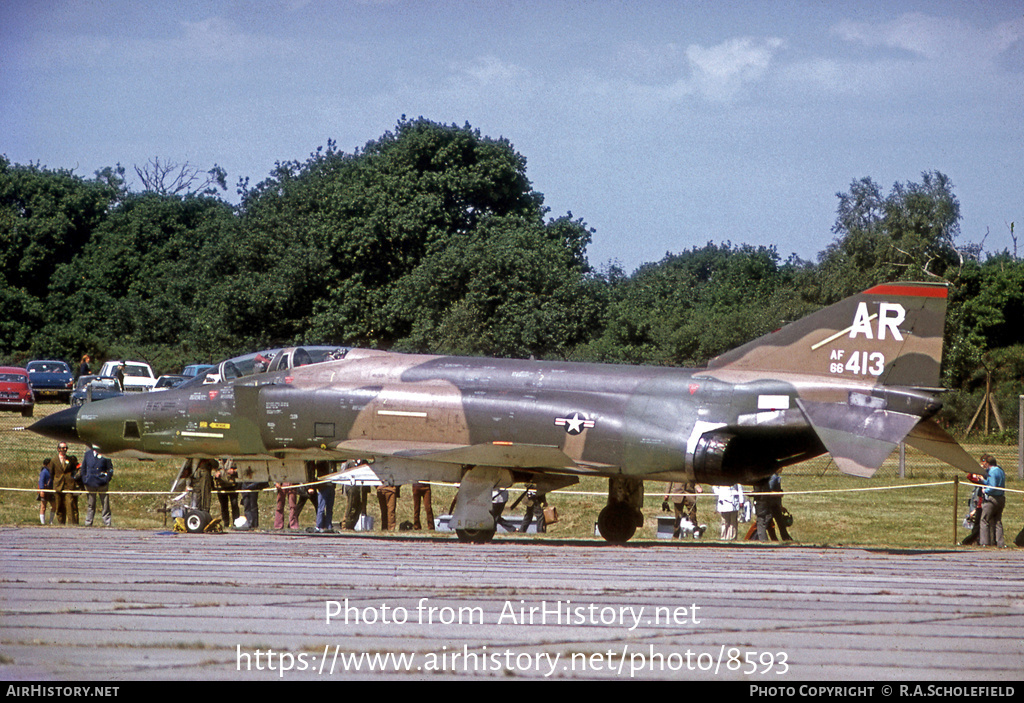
x=891, y=333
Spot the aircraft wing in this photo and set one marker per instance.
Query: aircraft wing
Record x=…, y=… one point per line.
x=500, y=454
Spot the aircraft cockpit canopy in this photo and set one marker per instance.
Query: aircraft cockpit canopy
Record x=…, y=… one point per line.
x=268, y=361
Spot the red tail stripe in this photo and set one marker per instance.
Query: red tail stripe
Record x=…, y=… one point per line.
x=919, y=291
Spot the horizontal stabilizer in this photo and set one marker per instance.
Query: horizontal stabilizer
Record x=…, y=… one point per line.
x=935, y=441
x=858, y=438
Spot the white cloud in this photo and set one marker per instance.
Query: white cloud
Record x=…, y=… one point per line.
x=672, y=74
x=492, y=71
x=481, y=83
x=720, y=71
x=947, y=41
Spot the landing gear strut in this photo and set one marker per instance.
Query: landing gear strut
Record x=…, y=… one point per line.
x=472, y=518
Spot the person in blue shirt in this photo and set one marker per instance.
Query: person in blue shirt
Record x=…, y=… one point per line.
x=993, y=504
x=47, y=498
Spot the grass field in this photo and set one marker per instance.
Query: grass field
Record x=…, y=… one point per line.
x=830, y=508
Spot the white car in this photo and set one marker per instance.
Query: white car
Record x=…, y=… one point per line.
x=138, y=375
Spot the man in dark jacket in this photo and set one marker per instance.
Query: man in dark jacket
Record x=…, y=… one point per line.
x=768, y=508
x=97, y=470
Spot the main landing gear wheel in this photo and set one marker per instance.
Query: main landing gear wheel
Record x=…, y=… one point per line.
x=617, y=523
x=475, y=536
x=197, y=520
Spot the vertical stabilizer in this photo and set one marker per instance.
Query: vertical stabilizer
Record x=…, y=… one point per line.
x=891, y=334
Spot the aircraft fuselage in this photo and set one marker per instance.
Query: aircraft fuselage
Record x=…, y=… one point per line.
x=601, y=419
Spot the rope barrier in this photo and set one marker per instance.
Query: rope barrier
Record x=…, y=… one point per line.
x=558, y=491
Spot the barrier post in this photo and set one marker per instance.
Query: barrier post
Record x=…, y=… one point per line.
x=1020, y=438
x=956, y=505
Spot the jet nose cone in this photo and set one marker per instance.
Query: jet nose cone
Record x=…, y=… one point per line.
x=61, y=426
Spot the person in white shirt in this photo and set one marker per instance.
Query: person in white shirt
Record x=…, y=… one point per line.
x=730, y=500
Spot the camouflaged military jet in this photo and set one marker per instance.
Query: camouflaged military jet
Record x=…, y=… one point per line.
x=854, y=379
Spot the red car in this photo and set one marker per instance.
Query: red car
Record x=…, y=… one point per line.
x=15, y=393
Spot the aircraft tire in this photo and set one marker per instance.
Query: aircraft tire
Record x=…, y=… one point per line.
x=475, y=536
x=617, y=523
x=196, y=520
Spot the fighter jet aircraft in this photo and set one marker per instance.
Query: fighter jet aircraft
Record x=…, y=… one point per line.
x=853, y=379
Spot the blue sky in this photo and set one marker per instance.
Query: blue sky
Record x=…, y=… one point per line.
x=663, y=125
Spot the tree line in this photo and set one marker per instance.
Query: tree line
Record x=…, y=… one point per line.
x=431, y=238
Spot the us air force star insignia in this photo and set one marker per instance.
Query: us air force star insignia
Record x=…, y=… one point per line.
x=575, y=424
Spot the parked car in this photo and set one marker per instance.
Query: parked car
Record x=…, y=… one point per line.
x=51, y=380
x=15, y=391
x=168, y=381
x=91, y=388
x=193, y=370
x=138, y=375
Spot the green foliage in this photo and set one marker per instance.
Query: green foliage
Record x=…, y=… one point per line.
x=908, y=235
x=992, y=296
x=985, y=309
x=134, y=288
x=512, y=288
x=1001, y=372
x=46, y=219
x=693, y=306
x=387, y=216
